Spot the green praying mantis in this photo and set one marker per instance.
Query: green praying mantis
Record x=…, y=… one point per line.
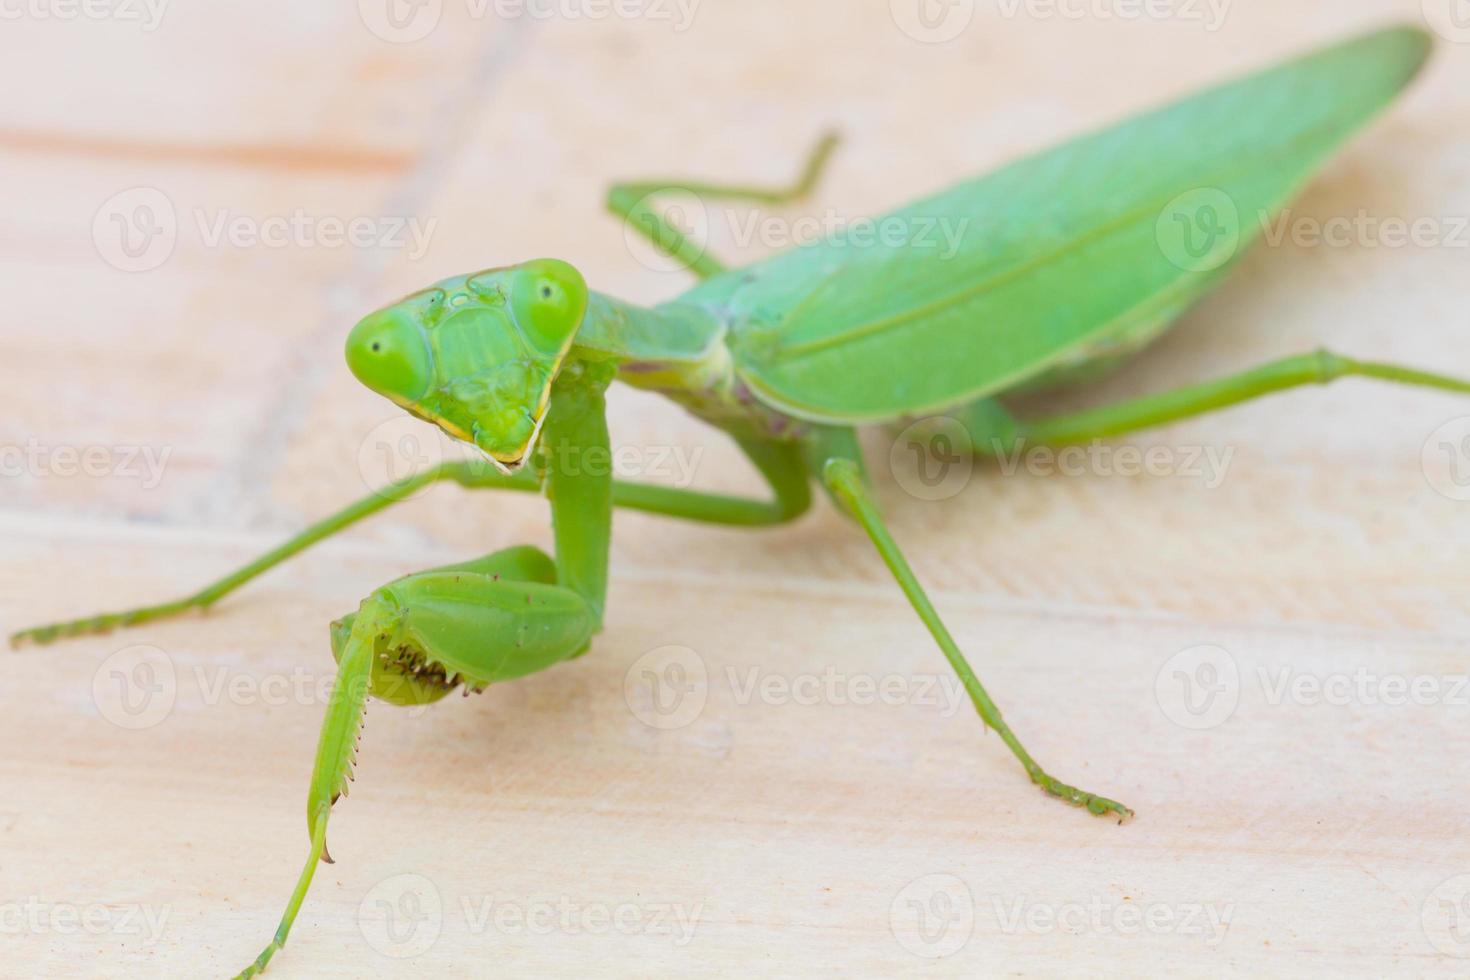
x=1072, y=260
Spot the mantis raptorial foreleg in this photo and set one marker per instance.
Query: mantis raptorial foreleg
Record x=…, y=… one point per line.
x=495, y=619
x=1319, y=367
x=628, y=201
x=843, y=477
x=415, y=640
x=779, y=463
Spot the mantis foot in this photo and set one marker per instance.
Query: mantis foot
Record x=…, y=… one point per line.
x=102, y=623
x=1098, y=805
x=258, y=967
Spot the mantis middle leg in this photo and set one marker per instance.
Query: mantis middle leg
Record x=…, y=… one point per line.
x=779, y=463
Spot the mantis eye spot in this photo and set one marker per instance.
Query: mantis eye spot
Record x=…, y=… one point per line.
x=545, y=291
x=377, y=346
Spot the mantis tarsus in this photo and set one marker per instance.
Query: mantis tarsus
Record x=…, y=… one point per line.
x=1065, y=267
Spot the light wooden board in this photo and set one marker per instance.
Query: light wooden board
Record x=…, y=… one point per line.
x=778, y=821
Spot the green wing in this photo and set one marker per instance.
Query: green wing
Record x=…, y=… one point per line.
x=1067, y=256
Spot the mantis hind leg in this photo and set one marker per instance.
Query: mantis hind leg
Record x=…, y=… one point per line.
x=843, y=477
x=414, y=641
x=629, y=202
x=1320, y=367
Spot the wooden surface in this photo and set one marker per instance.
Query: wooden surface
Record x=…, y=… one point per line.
x=151, y=822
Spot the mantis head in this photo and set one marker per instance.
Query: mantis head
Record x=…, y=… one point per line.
x=476, y=354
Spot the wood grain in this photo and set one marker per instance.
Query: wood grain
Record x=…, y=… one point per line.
x=795, y=821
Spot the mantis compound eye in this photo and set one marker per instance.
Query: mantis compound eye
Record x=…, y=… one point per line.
x=387, y=352
x=550, y=298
